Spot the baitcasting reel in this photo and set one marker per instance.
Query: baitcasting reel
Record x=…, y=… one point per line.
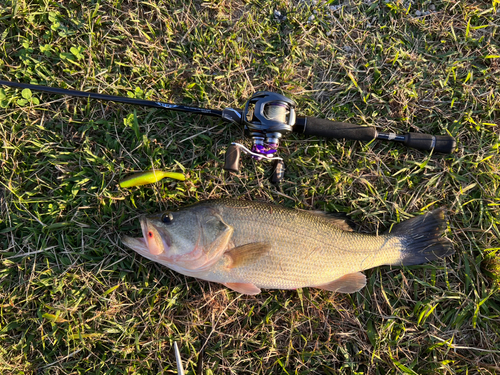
x=267, y=117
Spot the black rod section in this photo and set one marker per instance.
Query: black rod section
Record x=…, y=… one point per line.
x=391, y=137
x=113, y=98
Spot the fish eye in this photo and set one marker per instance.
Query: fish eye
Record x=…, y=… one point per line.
x=150, y=234
x=167, y=218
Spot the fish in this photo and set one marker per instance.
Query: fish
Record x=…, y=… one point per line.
x=248, y=246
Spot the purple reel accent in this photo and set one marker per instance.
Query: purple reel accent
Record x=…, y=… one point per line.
x=264, y=150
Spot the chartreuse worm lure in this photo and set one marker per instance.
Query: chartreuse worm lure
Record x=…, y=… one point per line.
x=149, y=177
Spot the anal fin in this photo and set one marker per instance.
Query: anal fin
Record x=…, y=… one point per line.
x=243, y=288
x=350, y=283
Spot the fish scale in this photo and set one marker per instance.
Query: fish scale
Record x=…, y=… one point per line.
x=251, y=245
x=306, y=249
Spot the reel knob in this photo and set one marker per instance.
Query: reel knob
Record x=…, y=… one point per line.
x=278, y=172
x=232, y=161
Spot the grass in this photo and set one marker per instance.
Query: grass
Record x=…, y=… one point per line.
x=74, y=300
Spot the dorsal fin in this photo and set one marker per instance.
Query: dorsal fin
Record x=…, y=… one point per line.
x=339, y=219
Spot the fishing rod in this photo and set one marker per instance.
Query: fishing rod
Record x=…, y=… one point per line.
x=267, y=117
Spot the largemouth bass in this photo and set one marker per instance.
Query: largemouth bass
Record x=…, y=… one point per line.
x=249, y=245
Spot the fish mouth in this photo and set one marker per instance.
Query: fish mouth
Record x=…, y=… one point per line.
x=144, y=245
x=148, y=227
x=139, y=244
x=136, y=243
x=144, y=227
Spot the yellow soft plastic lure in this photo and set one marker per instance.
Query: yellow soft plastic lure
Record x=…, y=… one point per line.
x=149, y=177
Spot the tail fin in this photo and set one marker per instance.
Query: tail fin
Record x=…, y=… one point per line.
x=422, y=238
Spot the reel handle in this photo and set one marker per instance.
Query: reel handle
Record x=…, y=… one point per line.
x=232, y=162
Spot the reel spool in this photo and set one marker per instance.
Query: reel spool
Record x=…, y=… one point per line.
x=267, y=117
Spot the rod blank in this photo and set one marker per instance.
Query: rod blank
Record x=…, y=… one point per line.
x=114, y=98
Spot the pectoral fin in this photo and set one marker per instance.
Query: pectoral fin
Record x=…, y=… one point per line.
x=350, y=283
x=246, y=254
x=243, y=288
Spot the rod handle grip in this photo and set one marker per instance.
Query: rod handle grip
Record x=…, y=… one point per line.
x=338, y=130
x=427, y=142
x=232, y=162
